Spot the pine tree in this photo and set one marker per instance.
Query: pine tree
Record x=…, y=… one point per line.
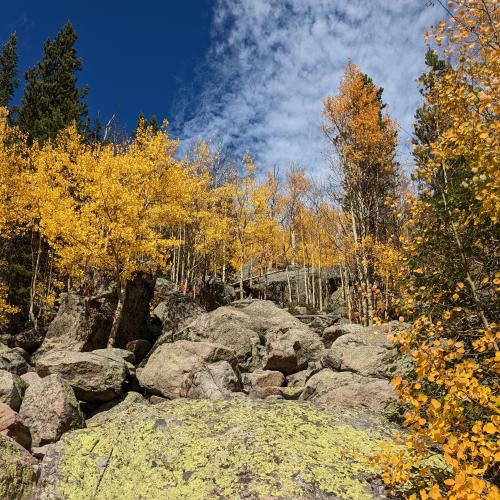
x=8, y=70
x=52, y=100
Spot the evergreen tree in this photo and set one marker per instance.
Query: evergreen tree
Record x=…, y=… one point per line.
x=8, y=70
x=52, y=100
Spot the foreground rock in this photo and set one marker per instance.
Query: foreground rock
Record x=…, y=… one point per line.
x=18, y=471
x=94, y=376
x=194, y=370
x=50, y=409
x=12, y=388
x=226, y=449
x=13, y=426
x=260, y=333
x=334, y=389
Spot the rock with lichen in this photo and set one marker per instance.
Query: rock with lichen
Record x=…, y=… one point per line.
x=237, y=448
x=18, y=471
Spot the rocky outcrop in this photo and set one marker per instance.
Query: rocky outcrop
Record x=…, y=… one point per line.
x=13, y=360
x=18, y=471
x=13, y=426
x=185, y=369
x=217, y=449
x=257, y=329
x=50, y=409
x=84, y=323
x=12, y=388
x=94, y=376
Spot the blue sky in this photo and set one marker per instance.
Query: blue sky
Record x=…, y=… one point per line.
x=137, y=56
x=248, y=73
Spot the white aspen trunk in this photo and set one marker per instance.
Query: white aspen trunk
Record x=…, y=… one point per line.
x=121, y=290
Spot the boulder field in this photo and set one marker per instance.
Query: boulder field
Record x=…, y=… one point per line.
x=244, y=401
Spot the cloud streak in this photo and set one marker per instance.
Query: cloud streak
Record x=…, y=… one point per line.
x=272, y=62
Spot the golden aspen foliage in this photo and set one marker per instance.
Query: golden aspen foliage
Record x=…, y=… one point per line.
x=452, y=284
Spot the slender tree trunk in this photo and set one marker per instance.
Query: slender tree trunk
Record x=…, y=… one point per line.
x=34, y=280
x=121, y=290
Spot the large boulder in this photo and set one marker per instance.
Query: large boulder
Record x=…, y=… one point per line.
x=50, y=409
x=13, y=426
x=217, y=449
x=94, y=376
x=13, y=360
x=83, y=323
x=367, y=351
x=18, y=471
x=246, y=327
x=336, y=389
x=190, y=369
x=175, y=310
x=12, y=388
x=291, y=351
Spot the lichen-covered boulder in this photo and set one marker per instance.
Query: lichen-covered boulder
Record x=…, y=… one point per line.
x=12, y=388
x=188, y=449
x=18, y=472
x=94, y=376
x=333, y=389
x=190, y=369
x=49, y=409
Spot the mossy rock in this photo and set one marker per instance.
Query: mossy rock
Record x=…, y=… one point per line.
x=18, y=471
x=201, y=449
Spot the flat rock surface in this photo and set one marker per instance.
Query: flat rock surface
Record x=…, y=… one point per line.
x=216, y=449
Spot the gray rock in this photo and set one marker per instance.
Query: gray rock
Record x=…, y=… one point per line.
x=247, y=326
x=298, y=379
x=263, y=378
x=12, y=388
x=367, y=351
x=50, y=409
x=30, y=377
x=291, y=351
x=176, y=310
x=29, y=340
x=331, y=389
x=93, y=376
x=83, y=323
x=13, y=360
x=190, y=369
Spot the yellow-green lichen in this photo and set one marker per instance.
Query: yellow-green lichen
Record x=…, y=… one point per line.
x=17, y=474
x=225, y=449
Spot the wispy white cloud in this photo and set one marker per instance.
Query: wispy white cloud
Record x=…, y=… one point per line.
x=272, y=62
